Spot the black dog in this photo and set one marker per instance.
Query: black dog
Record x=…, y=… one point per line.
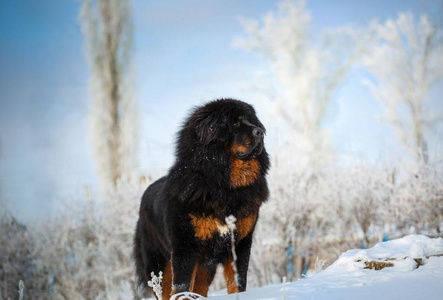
x=220, y=170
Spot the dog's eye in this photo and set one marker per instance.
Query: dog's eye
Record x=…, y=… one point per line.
x=238, y=122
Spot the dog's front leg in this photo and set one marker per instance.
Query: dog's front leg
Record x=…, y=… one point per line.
x=243, y=254
x=184, y=259
x=243, y=251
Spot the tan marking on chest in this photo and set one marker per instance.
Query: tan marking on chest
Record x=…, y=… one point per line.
x=244, y=172
x=206, y=227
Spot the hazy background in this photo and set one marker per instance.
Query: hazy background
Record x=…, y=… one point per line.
x=183, y=56
x=92, y=93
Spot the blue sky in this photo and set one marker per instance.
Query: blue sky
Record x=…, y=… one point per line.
x=183, y=56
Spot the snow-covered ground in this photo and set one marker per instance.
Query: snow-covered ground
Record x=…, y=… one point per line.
x=347, y=278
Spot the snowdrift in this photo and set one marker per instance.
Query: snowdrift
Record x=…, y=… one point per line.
x=406, y=268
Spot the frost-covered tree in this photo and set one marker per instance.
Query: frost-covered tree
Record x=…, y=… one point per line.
x=417, y=199
x=407, y=61
x=82, y=252
x=106, y=25
x=305, y=72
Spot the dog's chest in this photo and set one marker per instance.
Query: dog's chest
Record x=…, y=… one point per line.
x=207, y=227
x=244, y=172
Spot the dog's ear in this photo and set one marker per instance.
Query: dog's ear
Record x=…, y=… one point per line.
x=208, y=126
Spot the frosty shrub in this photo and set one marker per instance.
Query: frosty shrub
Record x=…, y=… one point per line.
x=320, y=215
x=16, y=257
x=417, y=200
x=156, y=284
x=84, y=252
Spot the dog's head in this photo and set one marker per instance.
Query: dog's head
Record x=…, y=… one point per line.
x=248, y=135
x=228, y=124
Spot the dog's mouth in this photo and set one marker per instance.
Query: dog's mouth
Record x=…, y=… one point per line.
x=252, y=151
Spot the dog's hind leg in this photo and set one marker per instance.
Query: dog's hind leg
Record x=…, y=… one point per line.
x=167, y=281
x=183, y=263
x=156, y=263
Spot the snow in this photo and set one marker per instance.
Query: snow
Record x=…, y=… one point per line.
x=347, y=278
x=404, y=250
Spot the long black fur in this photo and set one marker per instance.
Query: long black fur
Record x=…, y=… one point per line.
x=199, y=184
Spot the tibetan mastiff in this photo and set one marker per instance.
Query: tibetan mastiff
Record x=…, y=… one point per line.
x=220, y=170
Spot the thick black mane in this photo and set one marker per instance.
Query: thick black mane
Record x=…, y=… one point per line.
x=201, y=152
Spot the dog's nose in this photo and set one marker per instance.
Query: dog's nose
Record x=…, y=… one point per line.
x=258, y=132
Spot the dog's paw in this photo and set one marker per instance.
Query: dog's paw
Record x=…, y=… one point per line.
x=186, y=296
